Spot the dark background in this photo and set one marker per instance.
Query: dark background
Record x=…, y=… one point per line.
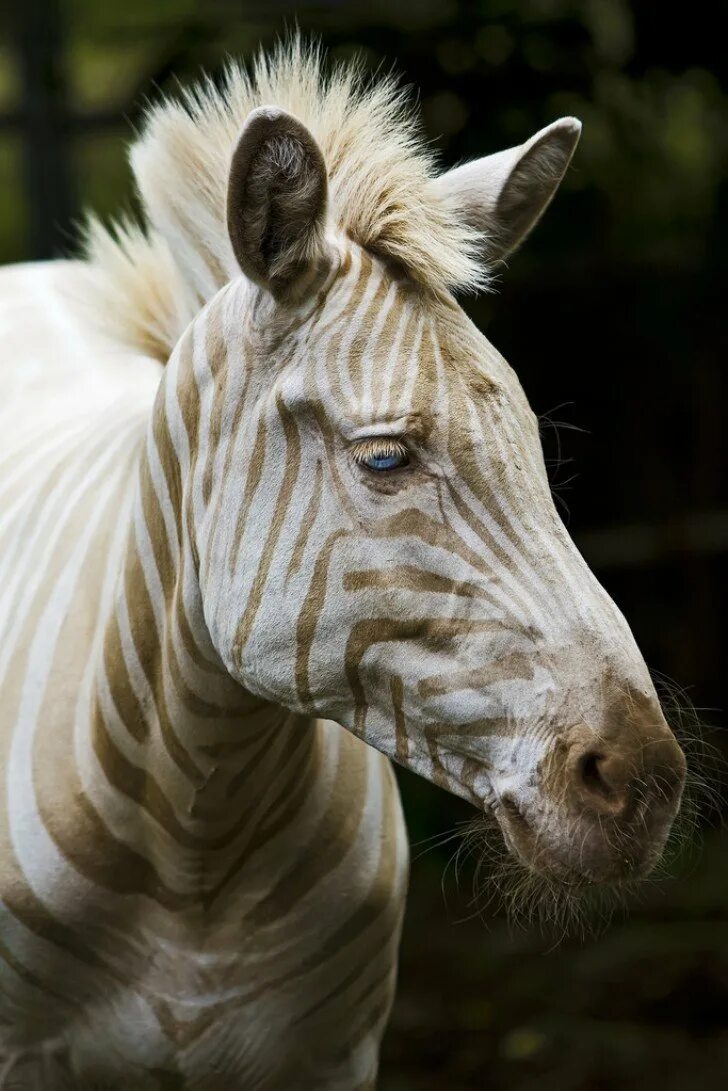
x=614, y=316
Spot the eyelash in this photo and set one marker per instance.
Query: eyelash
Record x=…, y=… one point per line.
x=381, y=449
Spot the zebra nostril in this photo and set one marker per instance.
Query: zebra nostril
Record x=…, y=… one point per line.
x=603, y=782
x=590, y=768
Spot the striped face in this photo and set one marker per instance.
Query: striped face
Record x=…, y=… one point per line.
x=378, y=546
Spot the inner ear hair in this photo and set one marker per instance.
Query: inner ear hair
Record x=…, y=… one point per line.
x=531, y=186
x=503, y=196
x=277, y=200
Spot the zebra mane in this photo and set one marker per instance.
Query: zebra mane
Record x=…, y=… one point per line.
x=149, y=280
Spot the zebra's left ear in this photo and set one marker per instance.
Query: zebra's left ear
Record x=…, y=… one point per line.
x=276, y=201
x=504, y=195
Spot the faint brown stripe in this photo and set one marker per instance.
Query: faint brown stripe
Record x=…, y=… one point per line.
x=188, y=698
x=366, y=321
x=278, y=815
x=335, y=833
x=71, y=820
x=411, y=522
x=205, y=664
x=154, y=520
x=400, y=725
x=309, y=615
x=381, y=949
x=385, y=344
x=414, y=347
x=130, y=711
x=170, y=466
x=293, y=461
x=43, y=985
x=216, y=353
x=143, y=629
x=376, y=903
x=252, y=480
x=511, y=667
x=139, y=785
x=240, y=408
x=309, y=518
x=488, y=540
x=407, y=577
x=383, y=630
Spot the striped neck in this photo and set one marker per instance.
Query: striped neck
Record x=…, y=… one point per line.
x=204, y=772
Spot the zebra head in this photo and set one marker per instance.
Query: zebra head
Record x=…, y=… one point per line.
x=376, y=537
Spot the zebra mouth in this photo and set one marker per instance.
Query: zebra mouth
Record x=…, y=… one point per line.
x=518, y=833
x=585, y=856
x=522, y=840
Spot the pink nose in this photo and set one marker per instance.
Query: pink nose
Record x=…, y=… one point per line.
x=613, y=780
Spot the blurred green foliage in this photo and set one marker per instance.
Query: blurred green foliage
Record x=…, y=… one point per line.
x=489, y=72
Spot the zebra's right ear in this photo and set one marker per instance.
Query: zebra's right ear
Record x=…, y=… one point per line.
x=277, y=200
x=503, y=196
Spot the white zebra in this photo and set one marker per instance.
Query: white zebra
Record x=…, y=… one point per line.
x=273, y=512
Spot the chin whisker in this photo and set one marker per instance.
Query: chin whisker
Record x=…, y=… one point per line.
x=528, y=897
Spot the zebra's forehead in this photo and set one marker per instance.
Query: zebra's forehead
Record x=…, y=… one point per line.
x=379, y=346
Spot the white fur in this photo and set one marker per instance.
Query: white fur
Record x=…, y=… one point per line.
x=149, y=282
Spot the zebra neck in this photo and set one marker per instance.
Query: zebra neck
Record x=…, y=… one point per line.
x=194, y=765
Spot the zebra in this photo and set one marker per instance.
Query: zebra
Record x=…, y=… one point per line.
x=274, y=515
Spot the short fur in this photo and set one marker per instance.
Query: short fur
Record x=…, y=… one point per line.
x=150, y=281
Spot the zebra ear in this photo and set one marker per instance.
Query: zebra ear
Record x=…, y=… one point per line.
x=504, y=195
x=276, y=200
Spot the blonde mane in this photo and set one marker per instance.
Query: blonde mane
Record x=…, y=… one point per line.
x=149, y=281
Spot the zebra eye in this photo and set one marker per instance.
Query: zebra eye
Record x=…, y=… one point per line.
x=381, y=455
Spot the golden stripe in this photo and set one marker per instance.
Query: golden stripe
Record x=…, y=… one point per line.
x=369, y=632
x=293, y=461
x=407, y=577
x=400, y=724
x=335, y=832
x=145, y=637
x=252, y=480
x=509, y=668
x=309, y=615
x=309, y=518
x=125, y=700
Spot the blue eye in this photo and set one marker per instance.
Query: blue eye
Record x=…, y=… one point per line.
x=384, y=462
x=381, y=455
